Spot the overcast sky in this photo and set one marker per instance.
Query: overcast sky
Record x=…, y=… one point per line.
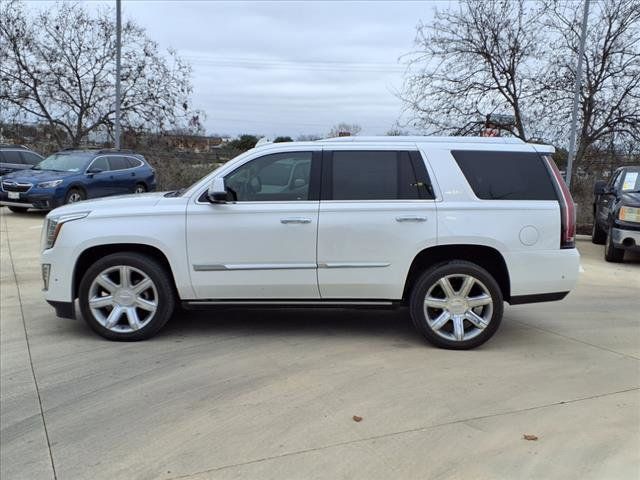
x=289, y=68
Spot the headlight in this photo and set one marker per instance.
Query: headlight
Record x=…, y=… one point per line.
x=53, y=225
x=50, y=184
x=629, y=214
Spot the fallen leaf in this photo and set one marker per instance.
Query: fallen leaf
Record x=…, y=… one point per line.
x=527, y=436
x=356, y=418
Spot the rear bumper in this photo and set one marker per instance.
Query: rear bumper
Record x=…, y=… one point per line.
x=543, y=272
x=624, y=238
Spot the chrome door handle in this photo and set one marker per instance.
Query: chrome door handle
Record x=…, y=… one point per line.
x=411, y=219
x=295, y=220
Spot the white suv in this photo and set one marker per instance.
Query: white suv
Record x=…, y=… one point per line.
x=450, y=227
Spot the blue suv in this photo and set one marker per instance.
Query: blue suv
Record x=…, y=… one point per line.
x=73, y=175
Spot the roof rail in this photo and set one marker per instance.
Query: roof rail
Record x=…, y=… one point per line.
x=424, y=139
x=115, y=150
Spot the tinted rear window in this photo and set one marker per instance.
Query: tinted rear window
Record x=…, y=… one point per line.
x=118, y=163
x=374, y=175
x=506, y=175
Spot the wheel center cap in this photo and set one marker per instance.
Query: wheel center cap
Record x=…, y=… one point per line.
x=458, y=306
x=124, y=298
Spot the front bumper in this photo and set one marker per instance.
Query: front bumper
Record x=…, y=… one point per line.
x=35, y=198
x=625, y=238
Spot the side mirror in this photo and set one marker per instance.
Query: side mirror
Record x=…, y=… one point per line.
x=93, y=171
x=217, y=193
x=600, y=187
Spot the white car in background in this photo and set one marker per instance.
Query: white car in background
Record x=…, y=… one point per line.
x=450, y=227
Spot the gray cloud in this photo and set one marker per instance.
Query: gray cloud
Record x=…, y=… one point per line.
x=286, y=68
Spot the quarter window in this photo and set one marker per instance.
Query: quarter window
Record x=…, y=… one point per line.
x=506, y=175
x=275, y=177
x=377, y=175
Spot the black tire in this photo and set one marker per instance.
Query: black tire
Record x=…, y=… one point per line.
x=161, y=279
x=611, y=253
x=140, y=188
x=452, y=268
x=74, y=195
x=598, y=236
x=18, y=209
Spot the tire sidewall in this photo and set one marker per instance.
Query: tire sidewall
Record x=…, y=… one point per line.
x=434, y=274
x=83, y=196
x=159, y=276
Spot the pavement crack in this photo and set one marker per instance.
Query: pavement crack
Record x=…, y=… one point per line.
x=26, y=338
x=402, y=432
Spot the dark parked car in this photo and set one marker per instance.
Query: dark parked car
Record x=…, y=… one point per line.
x=73, y=175
x=17, y=157
x=616, y=213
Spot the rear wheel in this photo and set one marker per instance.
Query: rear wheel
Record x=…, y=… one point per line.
x=74, y=195
x=18, y=209
x=598, y=236
x=140, y=188
x=456, y=305
x=126, y=296
x=611, y=253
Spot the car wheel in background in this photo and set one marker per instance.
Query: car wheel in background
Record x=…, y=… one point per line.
x=598, y=236
x=140, y=188
x=456, y=305
x=126, y=296
x=611, y=253
x=18, y=209
x=74, y=195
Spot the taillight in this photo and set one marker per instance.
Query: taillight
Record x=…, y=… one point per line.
x=567, y=208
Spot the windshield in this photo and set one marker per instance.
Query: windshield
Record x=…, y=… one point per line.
x=64, y=162
x=631, y=180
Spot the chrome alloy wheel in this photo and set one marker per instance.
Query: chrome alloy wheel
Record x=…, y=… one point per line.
x=123, y=299
x=458, y=307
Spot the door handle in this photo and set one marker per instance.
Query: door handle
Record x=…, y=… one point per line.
x=295, y=220
x=411, y=219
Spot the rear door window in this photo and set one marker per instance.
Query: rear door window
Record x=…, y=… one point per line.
x=375, y=175
x=118, y=163
x=506, y=175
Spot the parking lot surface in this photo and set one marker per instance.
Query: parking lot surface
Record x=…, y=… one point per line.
x=272, y=394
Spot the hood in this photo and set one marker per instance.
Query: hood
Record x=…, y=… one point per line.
x=124, y=203
x=36, y=176
x=630, y=198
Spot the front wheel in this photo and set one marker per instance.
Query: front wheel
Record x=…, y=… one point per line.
x=456, y=305
x=126, y=296
x=611, y=253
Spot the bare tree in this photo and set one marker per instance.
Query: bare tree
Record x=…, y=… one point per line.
x=477, y=59
x=58, y=66
x=308, y=137
x=610, y=97
x=351, y=129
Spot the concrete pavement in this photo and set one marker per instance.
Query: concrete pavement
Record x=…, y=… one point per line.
x=267, y=394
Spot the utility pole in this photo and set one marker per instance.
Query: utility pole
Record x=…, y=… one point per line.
x=576, y=94
x=118, y=47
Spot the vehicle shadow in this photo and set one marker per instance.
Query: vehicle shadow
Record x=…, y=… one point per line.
x=294, y=323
